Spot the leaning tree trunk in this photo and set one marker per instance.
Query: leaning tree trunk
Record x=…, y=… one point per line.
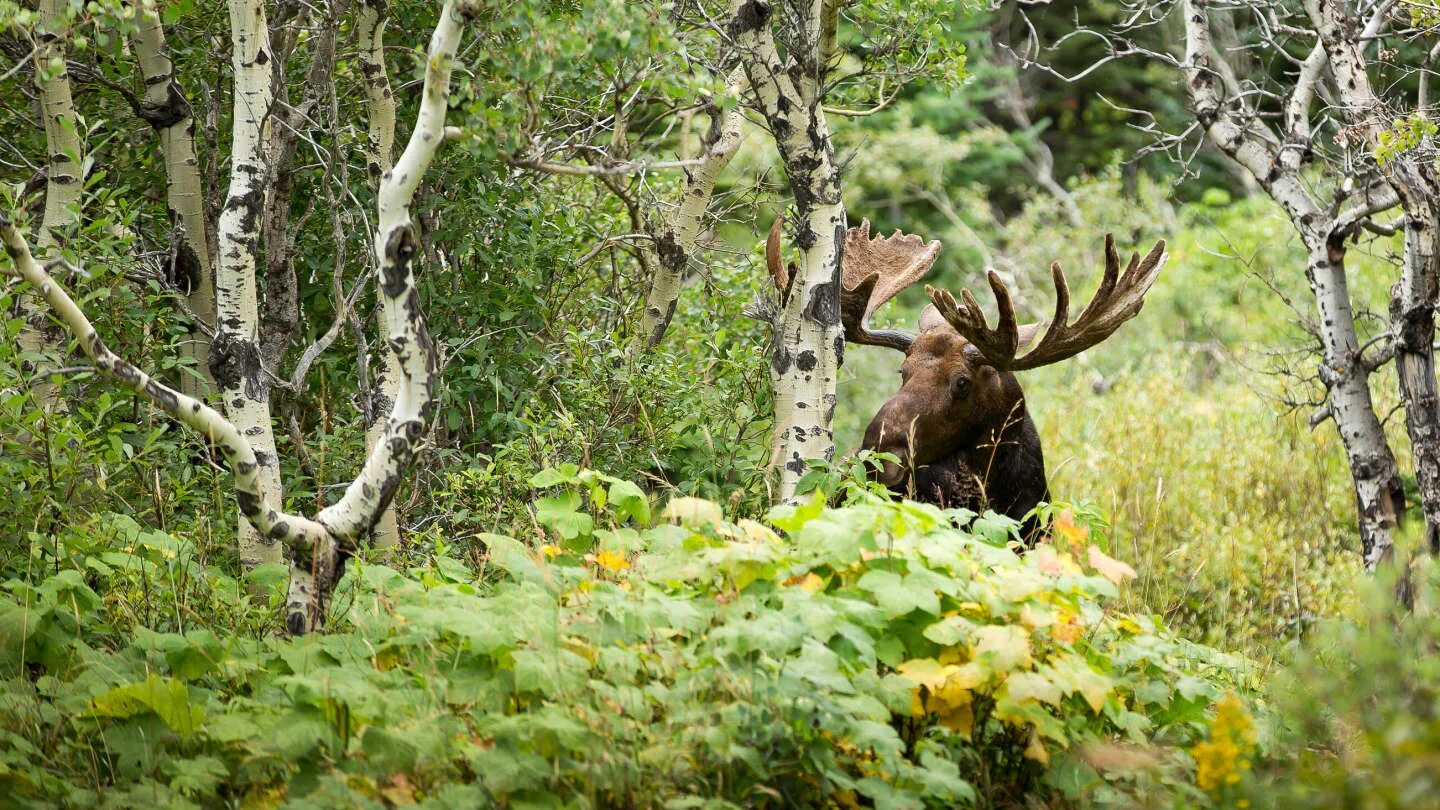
x=235, y=351
x=808, y=342
x=379, y=152
x=675, y=243
x=166, y=109
x=64, y=157
x=345, y=523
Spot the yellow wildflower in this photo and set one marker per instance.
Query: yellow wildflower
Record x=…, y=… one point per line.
x=1223, y=759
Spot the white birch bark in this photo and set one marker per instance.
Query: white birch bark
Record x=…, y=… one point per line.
x=346, y=522
x=235, y=352
x=166, y=109
x=1413, y=176
x=1379, y=496
x=809, y=341
x=64, y=157
x=379, y=152
x=675, y=243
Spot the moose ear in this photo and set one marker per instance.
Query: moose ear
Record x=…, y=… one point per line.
x=930, y=318
x=1028, y=333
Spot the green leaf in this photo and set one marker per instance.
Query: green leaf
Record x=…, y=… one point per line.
x=630, y=502
x=169, y=699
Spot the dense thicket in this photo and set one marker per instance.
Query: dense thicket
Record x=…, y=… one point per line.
x=660, y=633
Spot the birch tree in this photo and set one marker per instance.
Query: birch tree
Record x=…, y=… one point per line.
x=806, y=350
x=379, y=150
x=166, y=108
x=1410, y=170
x=244, y=388
x=343, y=526
x=1232, y=122
x=64, y=186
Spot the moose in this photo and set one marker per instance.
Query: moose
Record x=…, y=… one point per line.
x=958, y=425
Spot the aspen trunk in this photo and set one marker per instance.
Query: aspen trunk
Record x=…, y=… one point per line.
x=1379, y=495
x=1412, y=321
x=808, y=343
x=1375, y=477
x=235, y=352
x=379, y=151
x=343, y=524
x=166, y=109
x=63, y=183
x=675, y=244
x=1412, y=308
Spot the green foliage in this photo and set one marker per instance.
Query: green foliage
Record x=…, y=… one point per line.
x=1403, y=135
x=875, y=655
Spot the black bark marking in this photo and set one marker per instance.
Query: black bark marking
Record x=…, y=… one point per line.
x=399, y=249
x=248, y=502
x=795, y=464
x=805, y=361
x=750, y=17
x=235, y=364
x=781, y=360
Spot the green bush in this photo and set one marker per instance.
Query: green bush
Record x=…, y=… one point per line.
x=875, y=656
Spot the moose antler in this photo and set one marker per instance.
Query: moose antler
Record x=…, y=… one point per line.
x=873, y=272
x=1118, y=300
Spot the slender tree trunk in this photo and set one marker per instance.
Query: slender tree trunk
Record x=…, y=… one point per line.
x=675, y=243
x=63, y=183
x=1412, y=321
x=379, y=152
x=235, y=351
x=809, y=341
x=1245, y=139
x=1412, y=309
x=1379, y=494
x=166, y=109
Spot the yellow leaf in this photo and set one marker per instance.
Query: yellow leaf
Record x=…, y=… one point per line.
x=960, y=719
x=1032, y=686
x=949, y=697
x=808, y=582
x=926, y=672
x=1069, y=531
x=689, y=511
x=1007, y=646
x=752, y=530
x=1036, y=750
x=1109, y=567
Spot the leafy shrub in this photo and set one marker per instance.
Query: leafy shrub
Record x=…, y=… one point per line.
x=875, y=655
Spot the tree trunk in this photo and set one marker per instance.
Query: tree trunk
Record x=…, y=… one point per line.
x=63, y=183
x=675, y=244
x=379, y=152
x=1412, y=321
x=808, y=345
x=235, y=351
x=1379, y=495
x=166, y=109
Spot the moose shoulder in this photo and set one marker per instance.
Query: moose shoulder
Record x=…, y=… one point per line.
x=958, y=424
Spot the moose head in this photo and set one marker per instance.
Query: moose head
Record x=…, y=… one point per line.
x=958, y=424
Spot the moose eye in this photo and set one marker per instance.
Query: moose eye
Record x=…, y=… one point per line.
x=960, y=388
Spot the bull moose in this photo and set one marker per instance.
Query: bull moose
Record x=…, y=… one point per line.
x=958, y=424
